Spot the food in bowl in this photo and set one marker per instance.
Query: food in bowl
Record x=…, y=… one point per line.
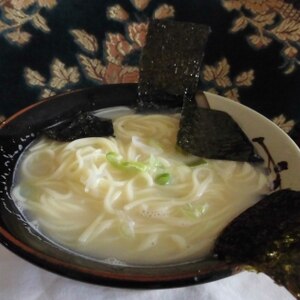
x=134, y=197
x=153, y=94
x=18, y=134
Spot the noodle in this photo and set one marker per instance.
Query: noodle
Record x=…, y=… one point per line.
x=102, y=197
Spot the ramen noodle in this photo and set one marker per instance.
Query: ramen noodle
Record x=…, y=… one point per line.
x=134, y=197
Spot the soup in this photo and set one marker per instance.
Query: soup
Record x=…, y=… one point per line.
x=134, y=197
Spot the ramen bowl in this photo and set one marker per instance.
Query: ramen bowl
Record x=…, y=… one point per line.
x=24, y=240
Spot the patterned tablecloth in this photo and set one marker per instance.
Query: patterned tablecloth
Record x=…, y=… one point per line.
x=49, y=46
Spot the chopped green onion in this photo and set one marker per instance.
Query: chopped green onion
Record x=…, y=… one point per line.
x=163, y=179
x=154, y=163
x=113, y=158
x=193, y=211
x=134, y=165
x=197, y=162
x=116, y=160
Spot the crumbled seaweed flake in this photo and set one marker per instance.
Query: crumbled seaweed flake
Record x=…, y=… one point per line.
x=80, y=126
x=213, y=134
x=267, y=237
x=170, y=63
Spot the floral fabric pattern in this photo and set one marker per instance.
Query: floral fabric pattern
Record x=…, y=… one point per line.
x=218, y=75
x=16, y=16
x=271, y=20
x=49, y=47
x=285, y=125
x=116, y=47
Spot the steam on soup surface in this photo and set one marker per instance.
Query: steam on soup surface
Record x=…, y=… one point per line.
x=133, y=197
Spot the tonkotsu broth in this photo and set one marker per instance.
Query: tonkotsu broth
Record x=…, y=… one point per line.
x=133, y=197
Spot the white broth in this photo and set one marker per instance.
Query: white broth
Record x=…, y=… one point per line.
x=133, y=197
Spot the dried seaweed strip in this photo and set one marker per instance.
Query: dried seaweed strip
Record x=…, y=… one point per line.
x=267, y=237
x=170, y=63
x=213, y=134
x=80, y=126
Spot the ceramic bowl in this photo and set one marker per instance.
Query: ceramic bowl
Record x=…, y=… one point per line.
x=15, y=234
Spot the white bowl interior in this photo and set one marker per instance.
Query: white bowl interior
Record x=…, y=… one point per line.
x=280, y=145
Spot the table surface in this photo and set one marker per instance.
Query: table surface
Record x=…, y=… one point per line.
x=20, y=280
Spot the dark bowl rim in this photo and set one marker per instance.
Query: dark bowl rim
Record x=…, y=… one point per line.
x=114, y=279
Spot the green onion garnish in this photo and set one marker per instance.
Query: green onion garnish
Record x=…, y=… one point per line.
x=117, y=161
x=193, y=211
x=163, y=179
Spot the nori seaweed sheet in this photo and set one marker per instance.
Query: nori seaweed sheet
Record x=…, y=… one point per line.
x=80, y=126
x=213, y=134
x=170, y=63
x=267, y=237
